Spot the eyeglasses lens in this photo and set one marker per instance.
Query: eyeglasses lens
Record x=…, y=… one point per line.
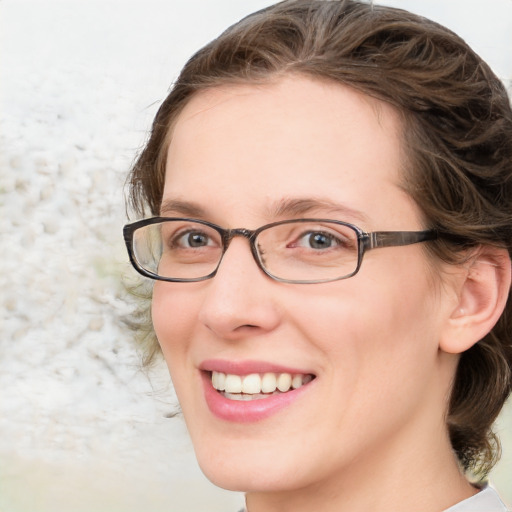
x=292, y=251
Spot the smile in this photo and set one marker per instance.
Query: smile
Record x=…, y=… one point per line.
x=250, y=391
x=256, y=386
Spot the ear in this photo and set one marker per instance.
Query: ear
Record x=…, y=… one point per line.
x=483, y=287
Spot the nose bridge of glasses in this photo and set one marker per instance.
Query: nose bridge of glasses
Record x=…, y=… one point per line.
x=229, y=234
x=249, y=234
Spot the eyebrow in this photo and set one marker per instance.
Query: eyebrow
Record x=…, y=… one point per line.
x=294, y=207
x=284, y=208
x=179, y=207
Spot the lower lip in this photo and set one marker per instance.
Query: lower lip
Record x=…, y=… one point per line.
x=241, y=411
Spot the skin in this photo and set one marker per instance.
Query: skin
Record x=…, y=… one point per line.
x=371, y=426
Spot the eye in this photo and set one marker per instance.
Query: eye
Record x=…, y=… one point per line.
x=317, y=240
x=193, y=239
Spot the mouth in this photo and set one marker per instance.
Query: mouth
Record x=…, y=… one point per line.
x=257, y=386
x=250, y=391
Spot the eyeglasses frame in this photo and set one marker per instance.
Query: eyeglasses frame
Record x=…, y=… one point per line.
x=366, y=242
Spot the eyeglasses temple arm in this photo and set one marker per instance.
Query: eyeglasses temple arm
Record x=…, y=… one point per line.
x=398, y=238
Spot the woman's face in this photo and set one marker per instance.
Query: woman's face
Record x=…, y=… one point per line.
x=244, y=156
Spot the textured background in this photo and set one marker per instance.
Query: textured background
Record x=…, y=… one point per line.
x=81, y=427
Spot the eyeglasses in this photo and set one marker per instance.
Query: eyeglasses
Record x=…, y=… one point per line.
x=292, y=251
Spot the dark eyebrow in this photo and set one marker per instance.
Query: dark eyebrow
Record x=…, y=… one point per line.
x=282, y=209
x=181, y=208
x=295, y=207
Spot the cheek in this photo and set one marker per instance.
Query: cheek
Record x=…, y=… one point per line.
x=378, y=333
x=173, y=311
x=174, y=314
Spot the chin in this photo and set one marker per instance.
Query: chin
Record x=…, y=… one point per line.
x=253, y=466
x=248, y=478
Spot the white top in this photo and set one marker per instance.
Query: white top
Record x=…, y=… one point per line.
x=487, y=500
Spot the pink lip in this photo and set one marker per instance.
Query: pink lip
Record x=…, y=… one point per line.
x=247, y=367
x=246, y=411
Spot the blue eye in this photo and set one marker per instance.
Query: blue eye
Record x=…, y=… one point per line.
x=194, y=239
x=320, y=241
x=317, y=240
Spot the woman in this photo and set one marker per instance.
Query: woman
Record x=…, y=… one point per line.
x=330, y=191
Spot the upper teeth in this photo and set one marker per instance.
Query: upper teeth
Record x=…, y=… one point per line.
x=256, y=383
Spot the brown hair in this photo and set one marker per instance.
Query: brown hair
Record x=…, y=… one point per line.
x=458, y=140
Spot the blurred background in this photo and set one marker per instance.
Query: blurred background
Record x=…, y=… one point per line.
x=82, y=428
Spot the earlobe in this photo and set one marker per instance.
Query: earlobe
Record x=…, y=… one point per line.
x=483, y=290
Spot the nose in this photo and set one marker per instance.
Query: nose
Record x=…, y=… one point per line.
x=239, y=301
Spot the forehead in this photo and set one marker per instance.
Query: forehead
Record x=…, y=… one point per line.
x=287, y=99
x=295, y=137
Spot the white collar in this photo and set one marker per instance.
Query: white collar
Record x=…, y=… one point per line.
x=487, y=500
